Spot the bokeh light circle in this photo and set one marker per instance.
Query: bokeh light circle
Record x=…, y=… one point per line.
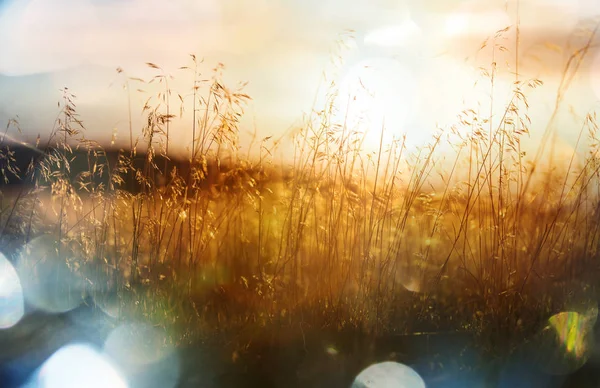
x=76, y=366
x=109, y=303
x=410, y=279
x=144, y=355
x=12, y=304
x=388, y=375
x=49, y=283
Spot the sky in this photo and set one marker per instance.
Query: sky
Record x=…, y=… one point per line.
x=420, y=57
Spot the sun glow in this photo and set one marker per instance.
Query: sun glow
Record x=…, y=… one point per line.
x=463, y=23
x=595, y=76
x=375, y=96
x=394, y=35
x=457, y=24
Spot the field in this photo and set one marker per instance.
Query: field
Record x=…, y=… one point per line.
x=458, y=257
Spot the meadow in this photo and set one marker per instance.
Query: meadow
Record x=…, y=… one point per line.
x=465, y=235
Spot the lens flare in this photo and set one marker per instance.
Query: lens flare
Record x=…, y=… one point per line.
x=387, y=375
x=77, y=366
x=571, y=328
x=566, y=343
x=12, y=305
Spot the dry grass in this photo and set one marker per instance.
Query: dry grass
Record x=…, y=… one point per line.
x=337, y=239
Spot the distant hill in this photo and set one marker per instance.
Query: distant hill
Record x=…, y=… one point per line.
x=81, y=161
x=101, y=101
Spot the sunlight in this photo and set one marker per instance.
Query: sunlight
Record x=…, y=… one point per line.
x=387, y=375
x=376, y=93
x=78, y=366
x=11, y=295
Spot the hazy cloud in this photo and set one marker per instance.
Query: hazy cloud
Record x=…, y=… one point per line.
x=47, y=35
